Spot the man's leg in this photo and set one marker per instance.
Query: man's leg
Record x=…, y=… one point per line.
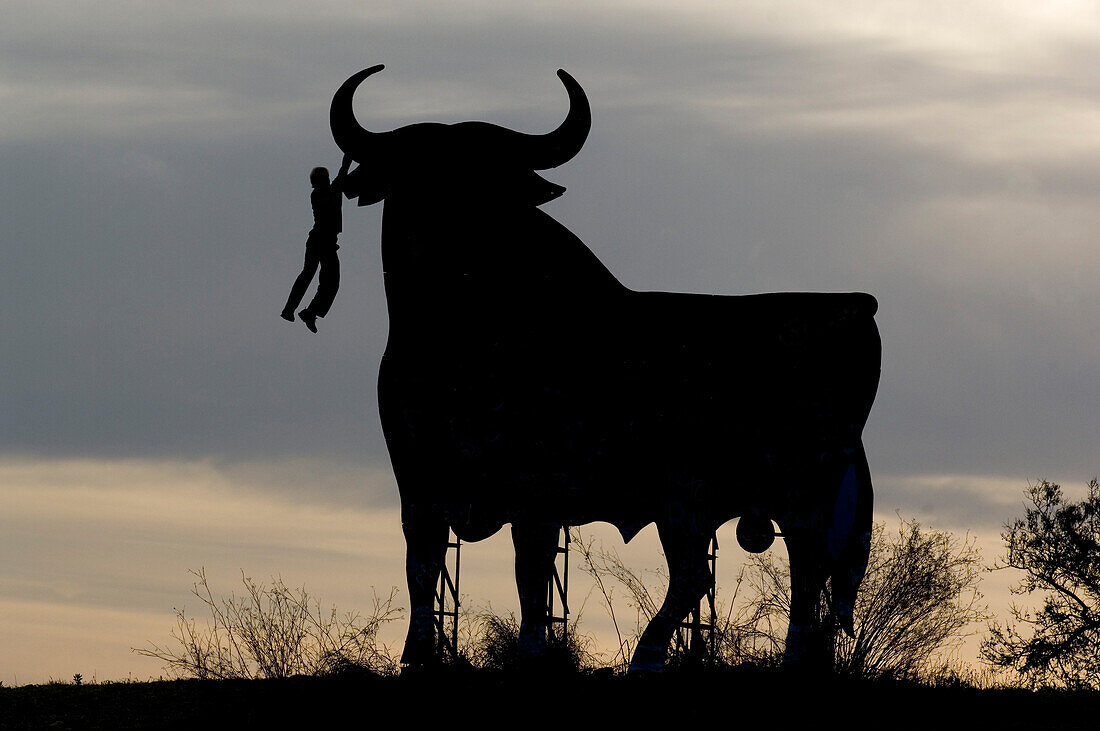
x=328, y=282
x=301, y=283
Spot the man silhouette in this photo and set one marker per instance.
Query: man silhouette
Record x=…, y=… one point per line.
x=320, y=248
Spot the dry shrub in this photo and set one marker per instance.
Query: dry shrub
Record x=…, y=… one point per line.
x=917, y=599
x=743, y=632
x=492, y=642
x=275, y=632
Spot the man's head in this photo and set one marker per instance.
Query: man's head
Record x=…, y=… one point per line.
x=318, y=177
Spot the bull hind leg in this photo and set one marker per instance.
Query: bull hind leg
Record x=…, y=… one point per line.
x=851, y=548
x=839, y=552
x=535, y=544
x=425, y=551
x=688, y=578
x=810, y=632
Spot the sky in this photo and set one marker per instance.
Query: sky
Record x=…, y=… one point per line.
x=156, y=415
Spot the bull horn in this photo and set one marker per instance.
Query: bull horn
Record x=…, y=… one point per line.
x=560, y=146
x=349, y=135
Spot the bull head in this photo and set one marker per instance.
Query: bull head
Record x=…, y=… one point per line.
x=490, y=160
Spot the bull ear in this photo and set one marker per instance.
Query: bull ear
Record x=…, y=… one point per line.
x=522, y=187
x=533, y=189
x=368, y=190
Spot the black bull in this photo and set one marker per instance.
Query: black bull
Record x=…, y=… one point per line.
x=523, y=384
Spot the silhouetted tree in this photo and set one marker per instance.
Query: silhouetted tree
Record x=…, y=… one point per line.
x=1057, y=545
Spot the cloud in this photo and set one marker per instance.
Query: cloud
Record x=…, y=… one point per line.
x=61, y=517
x=982, y=503
x=943, y=161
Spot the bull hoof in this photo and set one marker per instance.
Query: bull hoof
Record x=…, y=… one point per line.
x=531, y=648
x=808, y=650
x=418, y=656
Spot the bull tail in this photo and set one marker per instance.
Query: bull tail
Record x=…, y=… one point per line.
x=849, y=539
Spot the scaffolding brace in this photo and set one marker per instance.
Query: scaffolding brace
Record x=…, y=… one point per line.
x=446, y=602
x=557, y=625
x=696, y=639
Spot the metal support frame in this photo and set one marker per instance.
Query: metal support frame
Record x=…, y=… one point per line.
x=557, y=625
x=696, y=638
x=447, y=594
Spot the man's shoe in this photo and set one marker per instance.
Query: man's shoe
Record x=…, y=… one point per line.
x=309, y=319
x=287, y=315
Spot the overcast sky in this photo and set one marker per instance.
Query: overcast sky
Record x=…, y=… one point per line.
x=943, y=156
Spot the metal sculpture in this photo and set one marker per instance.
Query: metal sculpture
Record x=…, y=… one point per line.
x=523, y=384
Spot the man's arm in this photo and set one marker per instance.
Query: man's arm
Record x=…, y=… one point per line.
x=338, y=181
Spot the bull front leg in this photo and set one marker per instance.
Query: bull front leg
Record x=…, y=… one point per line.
x=688, y=578
x=425, y=551
x=535, y=544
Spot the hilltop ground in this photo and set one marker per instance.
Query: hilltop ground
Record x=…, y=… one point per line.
x=744, y=698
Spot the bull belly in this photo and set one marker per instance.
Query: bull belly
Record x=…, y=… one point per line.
x=591, y=469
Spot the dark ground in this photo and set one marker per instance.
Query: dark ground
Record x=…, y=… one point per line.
x=745, y=699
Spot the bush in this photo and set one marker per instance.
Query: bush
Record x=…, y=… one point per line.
x=492, y=643
x=275, y=632
x=919, y=594
x=741, y=632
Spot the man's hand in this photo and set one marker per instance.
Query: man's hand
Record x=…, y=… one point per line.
x=341, y=177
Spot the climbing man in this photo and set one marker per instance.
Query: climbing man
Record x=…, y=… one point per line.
x=320, y=247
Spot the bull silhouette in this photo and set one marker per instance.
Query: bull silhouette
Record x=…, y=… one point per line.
x=522, y=383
